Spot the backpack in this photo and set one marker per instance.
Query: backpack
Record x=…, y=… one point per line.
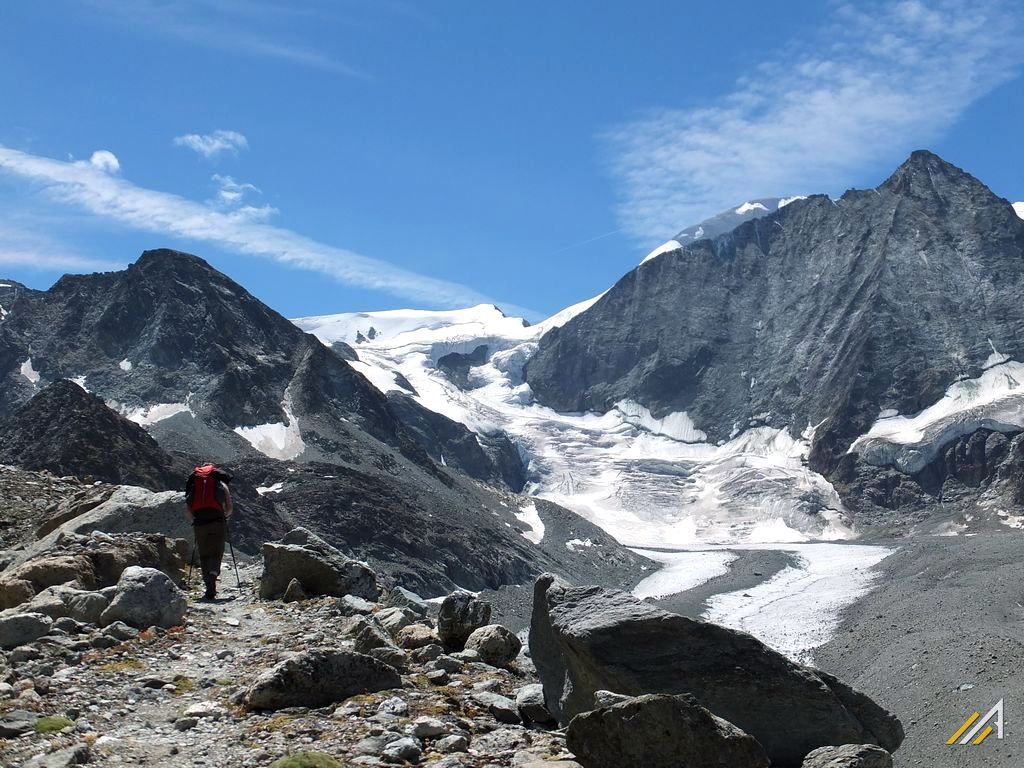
x=201, y=488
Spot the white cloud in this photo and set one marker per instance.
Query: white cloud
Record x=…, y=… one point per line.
x=105, y=161
x=26, y=249
x=881, y=80
x=230, y=191
x=115, y=199
x=212, y=144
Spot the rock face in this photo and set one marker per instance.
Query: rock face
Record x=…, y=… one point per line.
x=319, y=568
x=318, y=678
x=460, y=615
x=849, y=756
x=585, y=639
x=659, y=731
x=146, y=597
x=68, y=431
x=822, y=313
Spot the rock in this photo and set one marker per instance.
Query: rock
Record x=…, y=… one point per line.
x=14, y=591
x=294, y=592
x=660, y=731
x=608, y=699
x=447, y=663
x=405, y=750
x=350, y=605
x=374, y=743
x=438, y=677
x=457, y=742
x=20, y=628
x=318, y=678
x=585, y=639
x=530, y=703
x=849, y=756
x=146, y=597
x=367, y=634
x=394, y=657
x=460, y=614
x=496, y=645
x=394, y=706
x=416, y=636
x=426, y=653
x=400, y=597
x=17, y=722
x=502, y=708
x=428, y=728
x=120, y=631
x=467, y=657
x=322, y=569
x=79, y=754
x=205, y=709
x=186, y=723
x=395, y=619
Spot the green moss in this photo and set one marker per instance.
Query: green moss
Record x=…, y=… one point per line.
x=307, y=760
x=52, y=724
x=183, y=685
x=114, y=667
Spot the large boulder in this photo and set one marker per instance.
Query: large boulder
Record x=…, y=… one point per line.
x=145, y=597
x=319, y=678
x=660, y=731
x=849, y=756
x=20, y=628
x=461, y=613
x=586, y=639
x=81, y=605
x=319, y=567
x=496, y=645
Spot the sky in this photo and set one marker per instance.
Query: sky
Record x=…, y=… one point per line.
x=361, y=155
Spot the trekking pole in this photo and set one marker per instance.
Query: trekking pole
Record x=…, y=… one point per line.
x=191, y=562
x=227, y=530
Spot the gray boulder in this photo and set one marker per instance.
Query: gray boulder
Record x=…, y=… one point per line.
x=319, y=678
x=395, y=619
x=849, y=756
x=660, y=731
x=16, y=723
x=496, y=645
x=460, y=615
x=145, y=597
x=80, y=754
x=322, y=569
x=586, y=639
x=20, y=628
x=530, y=702
x=367, y=634
x=62, y=601
x=502, y=708
x=399, y=597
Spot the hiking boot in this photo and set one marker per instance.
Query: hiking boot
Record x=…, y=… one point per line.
x=211, y=589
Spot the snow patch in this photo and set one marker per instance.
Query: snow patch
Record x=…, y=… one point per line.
x=787, y=200
x=528, y=515
x=276, y=440
x=1019, y=209
x=798, y=609
x=381, y=378
x=748, y=207
x=29, y=372
x=275, y=488
x=994, y=400
x=80, y=381
x=6, y=285
x=678, y=426
x=681, y=571
x=671, y=245
x=3, y=312
x=125, y=365
x=574, y=545
x=151, y=414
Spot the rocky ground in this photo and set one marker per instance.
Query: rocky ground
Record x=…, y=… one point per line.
x=170, y=697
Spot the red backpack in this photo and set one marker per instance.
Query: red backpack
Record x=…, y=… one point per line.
x=201, y=488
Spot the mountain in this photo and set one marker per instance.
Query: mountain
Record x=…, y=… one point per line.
x=880, y=328
x=211, y=373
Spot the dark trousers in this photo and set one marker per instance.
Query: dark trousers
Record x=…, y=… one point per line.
x=210, y=537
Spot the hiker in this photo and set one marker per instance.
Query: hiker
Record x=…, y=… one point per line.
x=209, y=506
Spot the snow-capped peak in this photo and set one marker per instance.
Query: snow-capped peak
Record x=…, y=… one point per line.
x=747, y=207
x=1019, y=208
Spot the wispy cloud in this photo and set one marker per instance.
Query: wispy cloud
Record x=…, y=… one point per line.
x=26, y=249
x=882, y=79
x=115, y=199
x=231, y=196
x=210, y=145
x=240, y=28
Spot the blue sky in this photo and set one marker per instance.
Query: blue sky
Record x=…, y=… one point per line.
x=374, y=154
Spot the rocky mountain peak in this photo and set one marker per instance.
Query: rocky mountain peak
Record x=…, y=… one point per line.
x=926, y=175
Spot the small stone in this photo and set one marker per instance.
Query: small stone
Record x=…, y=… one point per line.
x=231, y=621
x=428, y=727
x=120, y=631
x=416, y=636
x=17, y=722
x=394, y=706
x=503, y=709
x=530, y=702
x=76, y=755
x=454, y=743
x=294, y=592
x=206, y=709
x=404, y=750
x=350, y=605
x=185, y=723
x=438, y=677
x=447, y=663
x=427, y=653
x=608, y=699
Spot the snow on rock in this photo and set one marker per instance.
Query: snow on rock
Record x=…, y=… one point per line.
x=747, y=207
x=671, y=245
x=125, y=365
x=681, y=571
x=994, y=400
x=529, y=515
x=275, y=488
x=574, y=545
x=787, y=200
x=382, y=378
x=1019, y=208
x=798, y=609
x=150, y=414
x=29, y=372
x=80, y=381
x=3, y=312
x=276, y=440
x=678, y=426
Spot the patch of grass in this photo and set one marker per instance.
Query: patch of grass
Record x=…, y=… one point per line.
x=183, y=685
x=224, y=681
x=306, y=760
x=52, y=724
x=127, y=665
x=278, y=723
